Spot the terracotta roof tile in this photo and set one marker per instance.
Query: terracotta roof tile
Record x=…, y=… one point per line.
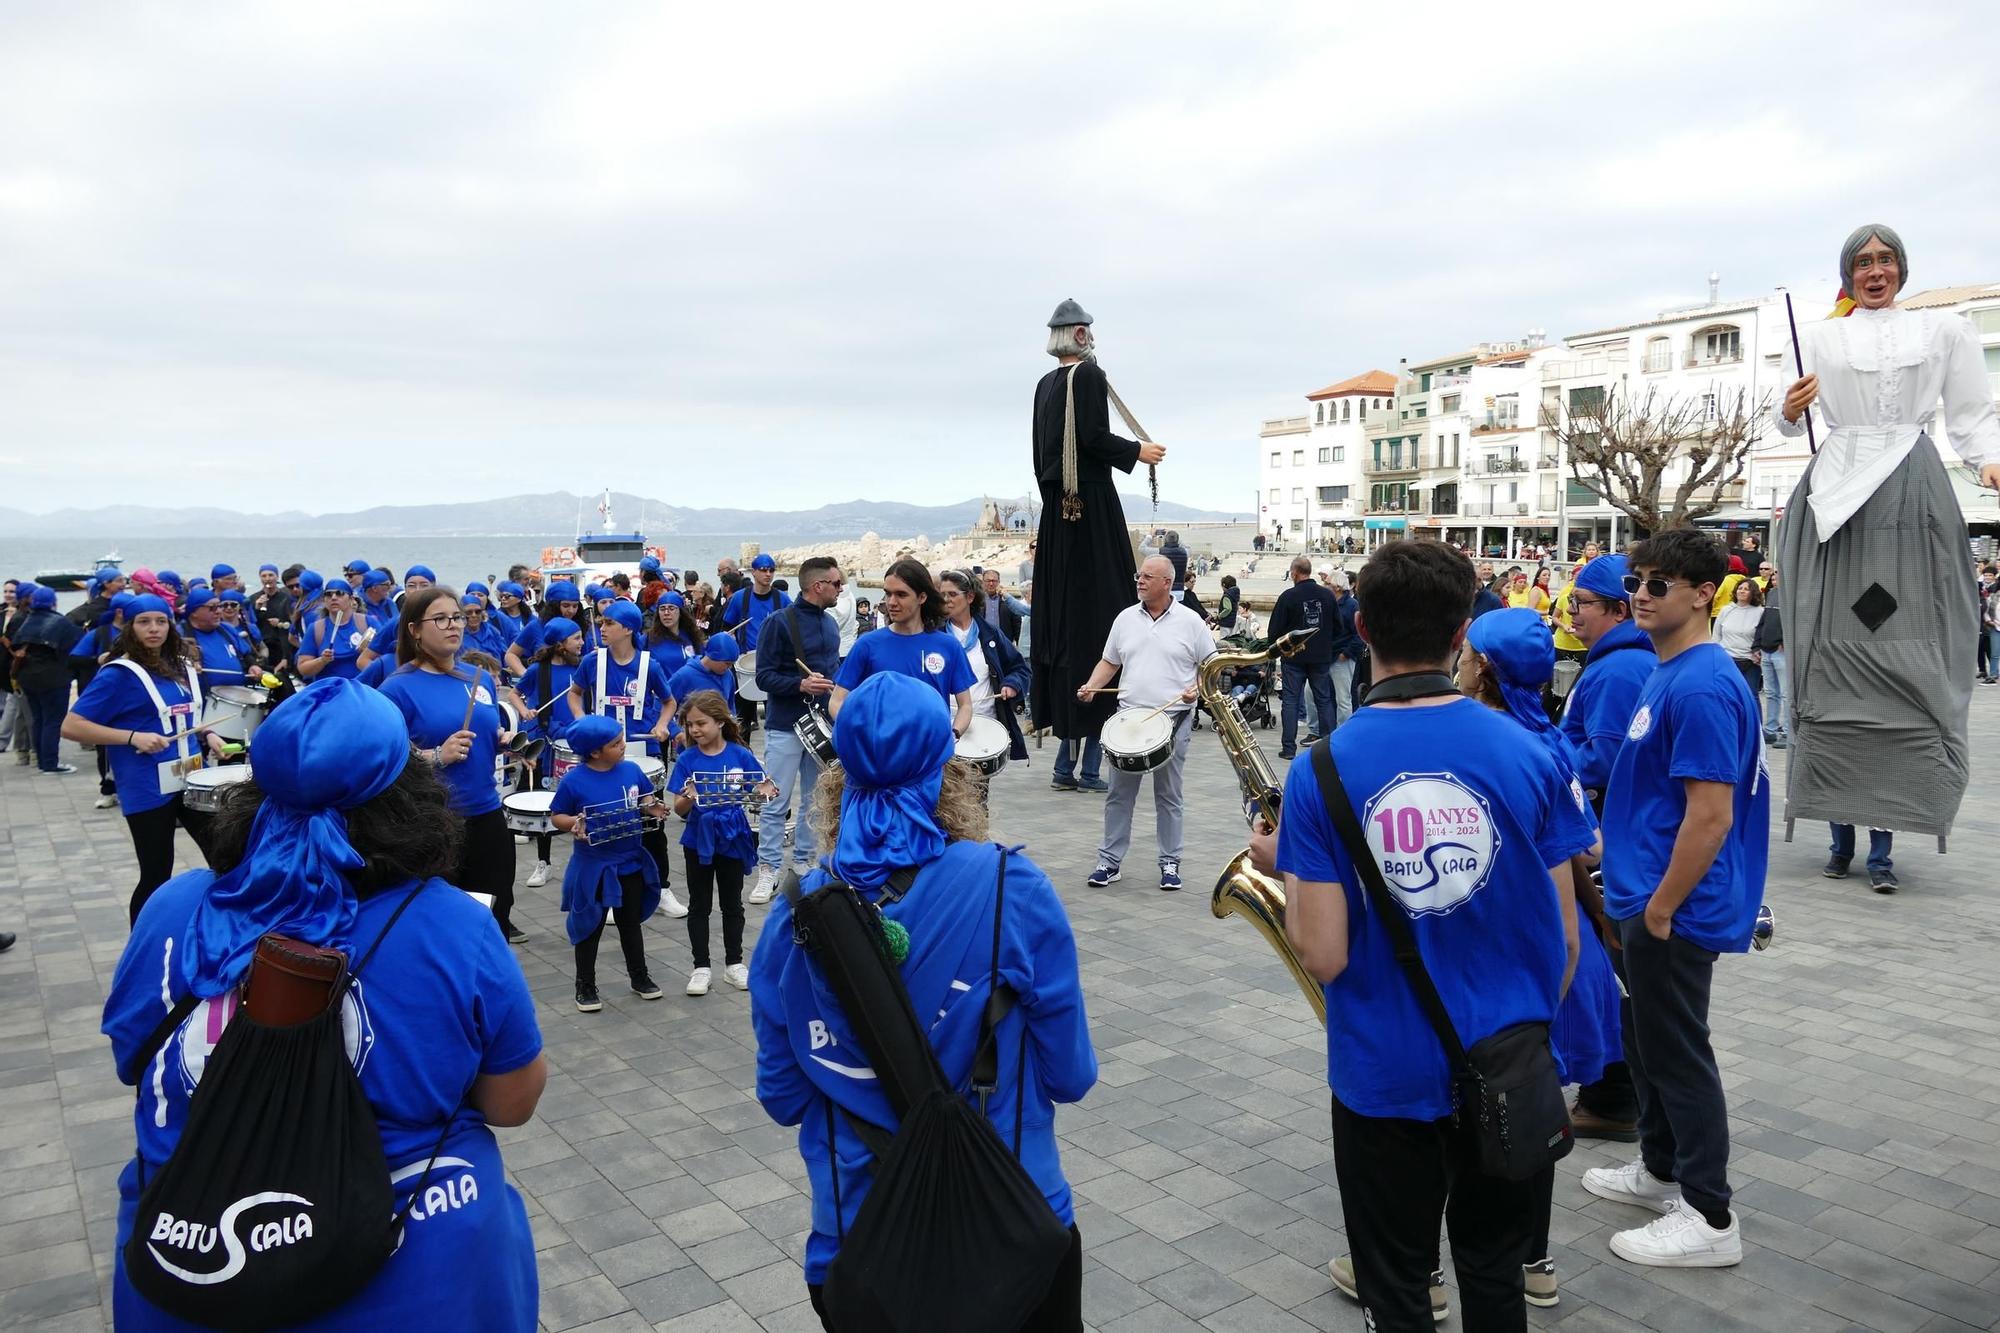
x=1369, y=382
x=1947, y=296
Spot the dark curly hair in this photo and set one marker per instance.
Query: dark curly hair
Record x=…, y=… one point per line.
x=406, y=833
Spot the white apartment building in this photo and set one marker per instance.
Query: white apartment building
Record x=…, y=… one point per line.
x=1309, y=472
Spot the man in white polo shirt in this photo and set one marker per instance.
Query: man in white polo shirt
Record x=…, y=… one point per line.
x=1158, y=646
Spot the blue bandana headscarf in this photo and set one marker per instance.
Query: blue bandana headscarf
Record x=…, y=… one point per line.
x=196, y=600
x=171, y=579
x=1522, y=652
x=476, y=586
x=43, y=599
x=722, y=648
x=335, y=745
x=231, y=595
x=509, y=588
x=626, y=614
x=893, y=737
x=221, y=572
x=670, y=598
x=419, y=572
x=267, y=569
x=374, y=578
x=147, y=602
x=562, y=592
x=1604, y=577
x=357, y=566
x=121, y=604
x=649, y=564
x=557, y=629
x=589, y=734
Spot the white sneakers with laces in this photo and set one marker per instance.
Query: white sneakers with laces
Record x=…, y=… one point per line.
x=766, y=887
x=698, y=981
x=737, y=975
x=539, y=875
x=1634, y=1184
x=671, y=905
x=1681, y=1238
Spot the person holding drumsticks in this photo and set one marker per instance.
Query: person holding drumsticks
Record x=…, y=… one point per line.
x=800, y=657
x=144, y=715
x=1000, y=675
x=454, y=718
x=1156, y=648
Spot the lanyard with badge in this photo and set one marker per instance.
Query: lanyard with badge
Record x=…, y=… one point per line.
x=176, y=723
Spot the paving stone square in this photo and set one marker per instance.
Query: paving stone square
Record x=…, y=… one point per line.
x=1861, y=1056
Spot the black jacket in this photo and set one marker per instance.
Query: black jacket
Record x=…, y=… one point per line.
x=1306, y=605
x=1005, y=666
x=1771, y=629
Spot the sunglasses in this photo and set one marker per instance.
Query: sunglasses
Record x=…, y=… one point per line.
x=1653, y=587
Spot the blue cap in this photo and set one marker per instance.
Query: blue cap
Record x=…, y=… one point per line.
x=419, y=572
x=1604, y=576
x=763, y=561
x=222, y=572
x=722, y=648
x=562, y=591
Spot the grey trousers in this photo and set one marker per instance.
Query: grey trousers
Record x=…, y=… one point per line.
x=1123, y=798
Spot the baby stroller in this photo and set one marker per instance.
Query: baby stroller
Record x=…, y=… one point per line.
x=1252, y=686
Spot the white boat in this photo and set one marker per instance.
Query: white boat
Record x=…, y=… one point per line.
x=597, y=556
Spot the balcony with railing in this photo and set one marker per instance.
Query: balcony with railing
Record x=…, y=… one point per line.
x=1494, y=508
x=1394, y=461
x=1497, y=424
x=1582, y=368
x=1702, y=361
x=1499, y=464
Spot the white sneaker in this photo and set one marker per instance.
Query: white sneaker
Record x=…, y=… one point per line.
x=737, y=975
x=672, y=906
x=698, y=981
x=1681, y=1239
x=766, y=887
x=539, y=875
x=1633, y=1183
x=106, y=802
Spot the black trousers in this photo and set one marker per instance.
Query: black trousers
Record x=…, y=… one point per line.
x=1061, y=1311
x=722, y=877
x=653, y=837
x=153, y=844
x=105, y=785
x=1398, y=1178
x=1683, y=1119
x=631, y=937
x=486, y=863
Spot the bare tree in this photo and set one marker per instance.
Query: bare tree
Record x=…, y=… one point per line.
x=1663, y=461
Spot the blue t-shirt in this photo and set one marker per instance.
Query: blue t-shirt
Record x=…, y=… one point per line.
x=1601, y=703
x=713, y=831
x=693, y=678
x=489, y=638
x=1697, y=720
x=433, y=704
x=385, y=612
x=625, y=695
x=933, y=657
x=622, y=787
x=347, y=642
x=529, y=641
x=115, y=698
x=1465, y=815
x=441, y=1003
x=225, y=655
x=745, y=605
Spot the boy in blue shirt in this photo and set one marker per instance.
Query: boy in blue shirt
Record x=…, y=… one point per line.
x=1687, y=816
x=1473, y=831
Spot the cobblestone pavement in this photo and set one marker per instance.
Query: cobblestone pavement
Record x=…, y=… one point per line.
x=1862, y=1057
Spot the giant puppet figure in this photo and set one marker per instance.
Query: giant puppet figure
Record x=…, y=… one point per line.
x=1083, y=568
x=1880, y=607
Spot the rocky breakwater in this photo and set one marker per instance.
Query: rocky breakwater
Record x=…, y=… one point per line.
x=865, y=557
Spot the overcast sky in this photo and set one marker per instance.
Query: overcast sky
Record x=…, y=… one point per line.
x=269, y=255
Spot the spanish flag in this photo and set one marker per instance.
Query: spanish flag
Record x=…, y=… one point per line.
x=1843, y=305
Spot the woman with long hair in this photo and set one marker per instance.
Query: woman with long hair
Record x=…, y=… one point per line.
x=454, y=720
x=545, y=688
x=674, y=633
x=915, y=644
x=340, y=831
x=141, y=707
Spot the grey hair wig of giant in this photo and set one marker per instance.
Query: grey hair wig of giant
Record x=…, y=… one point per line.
x=1857, y=239
x=1062, y=340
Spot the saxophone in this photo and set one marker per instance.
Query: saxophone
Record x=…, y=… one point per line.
x=1256, y=897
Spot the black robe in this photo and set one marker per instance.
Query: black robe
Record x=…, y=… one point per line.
x=1083, y=569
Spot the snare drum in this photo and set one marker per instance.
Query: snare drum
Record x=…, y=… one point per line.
x=528, y=811
x=746, y=678
x=815, y=732
x=1136, y=742
x=1564, y=680
x=561, y=760
x=205, y=786
x=233, y=711
x=656, y=773
x=984, y=745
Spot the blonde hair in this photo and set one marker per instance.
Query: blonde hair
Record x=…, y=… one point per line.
x=961, y=805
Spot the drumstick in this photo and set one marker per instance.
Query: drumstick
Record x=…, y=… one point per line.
x=471, y=699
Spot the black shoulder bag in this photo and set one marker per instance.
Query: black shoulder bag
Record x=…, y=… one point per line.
x=275, y=1206
x=1505, y=1091
x=954, y=1234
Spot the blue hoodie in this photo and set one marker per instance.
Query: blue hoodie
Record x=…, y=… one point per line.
x=1601, y=703
x=806, y=1051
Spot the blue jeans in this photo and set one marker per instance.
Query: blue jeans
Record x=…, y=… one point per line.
x=1295, y=678
x=1343, y=688
x=795, y=770
x=1880, y=843
x=1993, y=651
x=1093, y=757
x=1774, y=694
x=49, y=708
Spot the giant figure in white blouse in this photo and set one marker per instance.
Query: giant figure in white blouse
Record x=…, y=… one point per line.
x=1881, y=608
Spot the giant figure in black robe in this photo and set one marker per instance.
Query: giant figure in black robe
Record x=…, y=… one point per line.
x=1083, y=567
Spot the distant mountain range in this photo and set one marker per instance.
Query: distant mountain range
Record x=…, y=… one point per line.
x=546, y=516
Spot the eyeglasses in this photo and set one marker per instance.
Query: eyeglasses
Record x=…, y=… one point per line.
x=837, y=583
x=445, y=622
x=1653, y=587
x=1577, y=604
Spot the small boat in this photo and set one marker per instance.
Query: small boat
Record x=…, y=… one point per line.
x=598, y=555
x=70, y=580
